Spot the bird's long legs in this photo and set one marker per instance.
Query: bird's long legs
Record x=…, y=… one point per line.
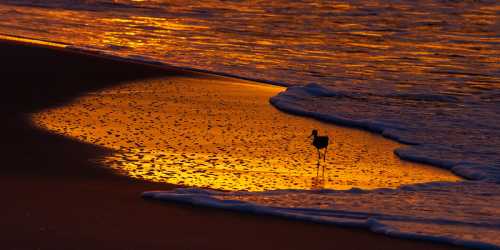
x=318, y=164
x=319, y=159
x=317, y=169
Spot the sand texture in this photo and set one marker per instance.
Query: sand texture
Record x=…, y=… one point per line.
x=222, y=133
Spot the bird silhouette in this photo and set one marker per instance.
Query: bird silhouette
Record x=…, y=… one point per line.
x=320, y=142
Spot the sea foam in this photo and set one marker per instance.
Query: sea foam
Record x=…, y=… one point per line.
x=440, y=129
x=439, y=212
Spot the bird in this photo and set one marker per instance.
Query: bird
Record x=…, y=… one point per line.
x=320, y=142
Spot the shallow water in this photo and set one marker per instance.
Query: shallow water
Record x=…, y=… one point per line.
x=450, y=47
x=223, y=134
x=429, y=68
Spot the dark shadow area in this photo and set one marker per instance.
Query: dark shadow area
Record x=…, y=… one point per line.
x=35, y=78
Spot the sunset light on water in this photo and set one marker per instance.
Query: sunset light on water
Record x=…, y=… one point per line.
x=225, y=135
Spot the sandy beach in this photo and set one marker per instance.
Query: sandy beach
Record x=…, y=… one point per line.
x=222, y=133
x=56, y=198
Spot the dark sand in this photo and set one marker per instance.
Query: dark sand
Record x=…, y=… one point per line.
x=53, y=197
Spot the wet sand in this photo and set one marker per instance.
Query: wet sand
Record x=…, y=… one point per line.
x=55, y=198
x=222, y=133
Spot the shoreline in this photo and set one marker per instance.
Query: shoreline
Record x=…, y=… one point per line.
x=157, y=64
x=61, y=200
x=275, y=101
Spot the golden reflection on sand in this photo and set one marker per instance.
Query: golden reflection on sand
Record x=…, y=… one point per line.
x=32, y=41
x=222, y=133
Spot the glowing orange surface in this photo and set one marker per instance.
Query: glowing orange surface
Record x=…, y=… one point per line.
x=31, y=41
x=450, y=47
x=222, y=133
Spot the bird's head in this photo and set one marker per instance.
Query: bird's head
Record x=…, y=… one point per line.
x=314, y=133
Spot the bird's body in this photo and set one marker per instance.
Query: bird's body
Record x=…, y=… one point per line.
x=320, y=142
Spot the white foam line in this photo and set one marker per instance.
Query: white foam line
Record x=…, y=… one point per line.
x=205, y=198
x=287, y=101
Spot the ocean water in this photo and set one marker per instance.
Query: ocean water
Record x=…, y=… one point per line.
x=426, y=73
